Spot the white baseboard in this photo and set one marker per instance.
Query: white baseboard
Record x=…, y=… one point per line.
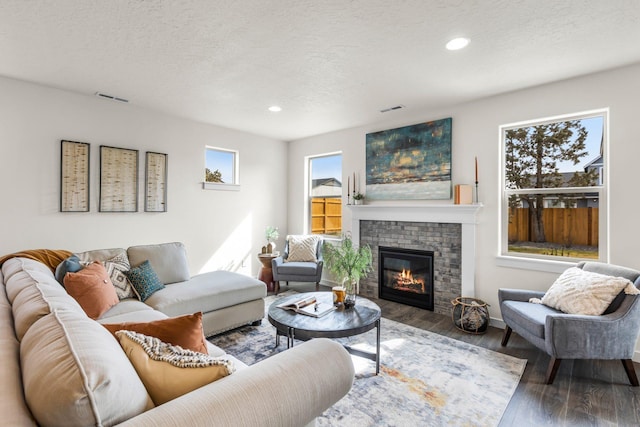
x=498, y=323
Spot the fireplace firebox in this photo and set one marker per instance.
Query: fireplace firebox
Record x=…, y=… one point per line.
x=406, y=276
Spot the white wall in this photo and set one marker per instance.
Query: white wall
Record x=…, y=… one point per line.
x=475, y=133
x=221, y=229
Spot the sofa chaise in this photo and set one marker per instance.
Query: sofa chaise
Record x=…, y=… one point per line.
x=61, y=368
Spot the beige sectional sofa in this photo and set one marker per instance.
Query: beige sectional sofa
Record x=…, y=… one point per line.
x=61, y=368
x=227, y=300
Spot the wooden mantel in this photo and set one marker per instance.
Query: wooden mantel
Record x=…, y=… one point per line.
x=443, y=213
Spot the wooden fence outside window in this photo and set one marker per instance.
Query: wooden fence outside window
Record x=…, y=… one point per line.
x=326, y=215
x=565, y=226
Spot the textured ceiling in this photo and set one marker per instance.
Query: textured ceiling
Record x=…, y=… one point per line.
x=329, y=64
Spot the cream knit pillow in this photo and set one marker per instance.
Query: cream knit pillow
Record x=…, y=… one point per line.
x=302, y=248
x=582, y=292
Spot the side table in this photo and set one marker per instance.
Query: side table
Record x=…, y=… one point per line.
x=266, y=272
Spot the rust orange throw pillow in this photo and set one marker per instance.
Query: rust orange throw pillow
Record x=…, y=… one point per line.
x=92, y=288
x=185, y=331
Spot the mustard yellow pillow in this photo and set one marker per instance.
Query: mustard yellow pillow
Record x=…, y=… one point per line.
x=170, y=371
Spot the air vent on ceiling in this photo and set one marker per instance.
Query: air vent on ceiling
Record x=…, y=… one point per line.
x=110, y=97
x=397, y=107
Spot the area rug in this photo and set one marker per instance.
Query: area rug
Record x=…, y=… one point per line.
x=425, y=378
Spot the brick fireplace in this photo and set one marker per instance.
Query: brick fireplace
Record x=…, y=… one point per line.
x=446, y=230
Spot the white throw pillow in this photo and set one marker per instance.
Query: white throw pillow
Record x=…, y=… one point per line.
x=582, y=292
x=302, y=248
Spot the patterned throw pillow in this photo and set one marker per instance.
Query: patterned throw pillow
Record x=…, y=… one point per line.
x=582, y=292
x=302, y=248
x=169, y=371
x=92, y=288
x=144, y=280
x=116, y=267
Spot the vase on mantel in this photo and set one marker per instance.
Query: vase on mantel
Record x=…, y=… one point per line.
x=350, y=286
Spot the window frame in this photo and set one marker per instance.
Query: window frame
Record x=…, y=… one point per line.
x=551, y=263
x=308, y=192
x=225, y=186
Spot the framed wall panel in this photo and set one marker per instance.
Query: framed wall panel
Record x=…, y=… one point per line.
x=118, y=179
x=74, y=176
x=155, y=186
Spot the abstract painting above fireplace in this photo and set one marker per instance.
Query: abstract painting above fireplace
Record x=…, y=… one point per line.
x=411, y=162
x=406, y=276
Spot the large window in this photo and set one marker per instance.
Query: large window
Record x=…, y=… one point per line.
x=325, y=194
x=554, y=182
x=221, y=166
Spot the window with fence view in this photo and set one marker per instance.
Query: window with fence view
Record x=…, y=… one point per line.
x=554, y=187
x=325, y=195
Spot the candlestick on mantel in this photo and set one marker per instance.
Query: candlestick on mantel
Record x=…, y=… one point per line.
x=348, y=190
x=477, y=200
x=476, y=168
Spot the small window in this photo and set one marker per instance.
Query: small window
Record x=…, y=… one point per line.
x=221, y=167
x=554, y=188
x=325, y=194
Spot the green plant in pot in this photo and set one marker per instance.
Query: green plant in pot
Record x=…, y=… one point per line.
x=348, y=263
x=271, y=234
x=358, y=198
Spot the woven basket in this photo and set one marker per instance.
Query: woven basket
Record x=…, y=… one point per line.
x=470, y=315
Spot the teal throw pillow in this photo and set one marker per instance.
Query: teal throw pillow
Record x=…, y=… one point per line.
x=69, y=265
x=144, y=280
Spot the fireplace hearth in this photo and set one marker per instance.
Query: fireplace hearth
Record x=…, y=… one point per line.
x=406, y=276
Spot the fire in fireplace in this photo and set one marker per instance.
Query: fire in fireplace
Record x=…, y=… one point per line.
x=406, y=276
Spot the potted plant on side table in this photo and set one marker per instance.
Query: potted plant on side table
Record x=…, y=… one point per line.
x=348, y=263
x=271, y=234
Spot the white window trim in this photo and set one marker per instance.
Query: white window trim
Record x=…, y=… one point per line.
x=235, y=186
x=220, y=186
x=538, y=262
x=307, y=194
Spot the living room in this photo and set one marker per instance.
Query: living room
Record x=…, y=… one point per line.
x=225, y=229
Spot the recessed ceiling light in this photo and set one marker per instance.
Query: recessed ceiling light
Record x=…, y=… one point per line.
x=457, y=43
x=275, y=109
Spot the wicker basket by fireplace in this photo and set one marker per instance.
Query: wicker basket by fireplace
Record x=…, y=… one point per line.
x=470, y=315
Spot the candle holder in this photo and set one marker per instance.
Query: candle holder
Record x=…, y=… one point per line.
x=477, y=199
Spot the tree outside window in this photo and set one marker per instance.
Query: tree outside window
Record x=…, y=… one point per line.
x=553, y=186
x=221, y=166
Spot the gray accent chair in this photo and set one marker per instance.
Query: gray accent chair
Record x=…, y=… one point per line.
x=297, y=271
x=609, y=336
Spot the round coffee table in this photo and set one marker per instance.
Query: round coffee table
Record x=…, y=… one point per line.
x=339, y=323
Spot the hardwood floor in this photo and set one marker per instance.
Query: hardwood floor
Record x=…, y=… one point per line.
x=584, y=393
